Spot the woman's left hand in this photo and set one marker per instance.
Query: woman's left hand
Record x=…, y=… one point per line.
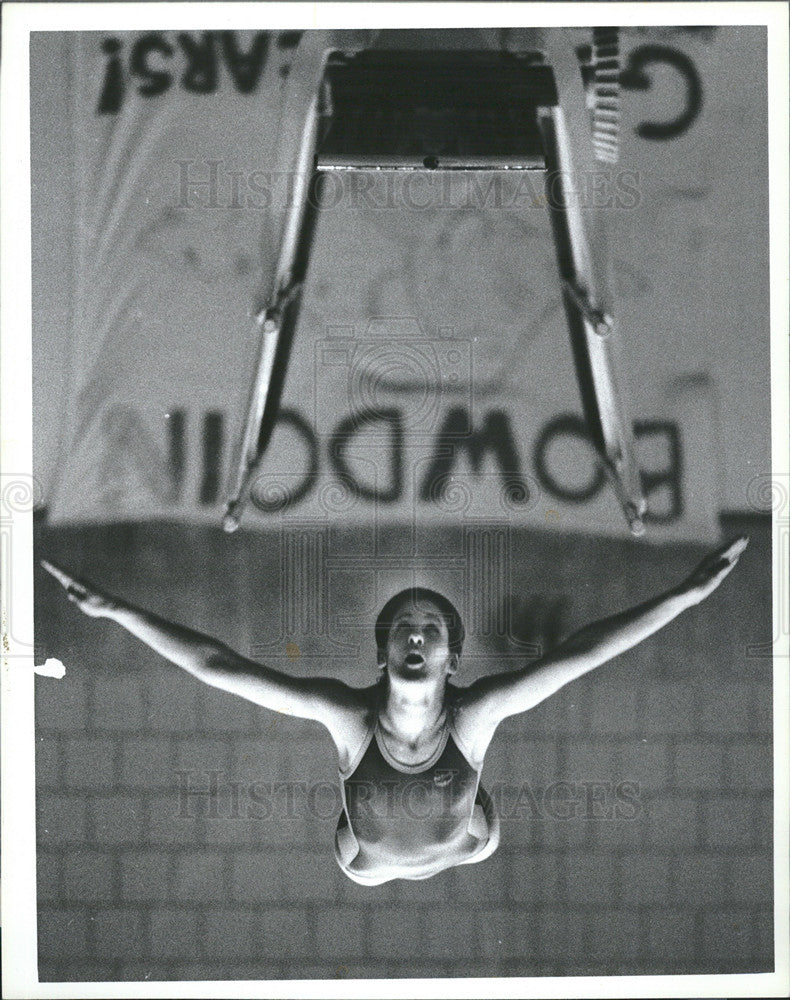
x=713, y=569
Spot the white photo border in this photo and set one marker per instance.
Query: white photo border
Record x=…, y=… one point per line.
x=19, y=969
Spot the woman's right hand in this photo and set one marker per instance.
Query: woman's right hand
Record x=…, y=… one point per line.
x=89, y=599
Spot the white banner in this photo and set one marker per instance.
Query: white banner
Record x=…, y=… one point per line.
x=431, y=374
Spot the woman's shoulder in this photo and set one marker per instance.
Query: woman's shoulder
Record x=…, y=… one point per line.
x=368, y=705
x=456, y=697
x=463, y=725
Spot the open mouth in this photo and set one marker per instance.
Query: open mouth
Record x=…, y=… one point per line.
x=414, y=659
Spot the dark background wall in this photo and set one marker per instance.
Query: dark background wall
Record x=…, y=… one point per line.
x=136, y=882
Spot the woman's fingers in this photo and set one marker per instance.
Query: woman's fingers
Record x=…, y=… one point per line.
x=732, y=550
x=727, y=556
x=723, y=562
x=60, y=575
x=715, y=567
x=76, y=592
x=737, y=547
x=89, y=599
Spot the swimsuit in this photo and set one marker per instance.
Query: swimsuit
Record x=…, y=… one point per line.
x=412, y=820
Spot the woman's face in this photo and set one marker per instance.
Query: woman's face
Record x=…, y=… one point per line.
x=418, y=644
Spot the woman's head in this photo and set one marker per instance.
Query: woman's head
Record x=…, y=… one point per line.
x=398, y=612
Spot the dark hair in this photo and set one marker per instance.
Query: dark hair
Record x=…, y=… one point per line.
x=416, y=595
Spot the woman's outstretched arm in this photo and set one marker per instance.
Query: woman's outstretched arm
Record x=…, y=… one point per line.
x=491, y=699
x=324, y=699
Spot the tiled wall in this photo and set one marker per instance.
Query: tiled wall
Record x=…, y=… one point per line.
x=136, y=881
